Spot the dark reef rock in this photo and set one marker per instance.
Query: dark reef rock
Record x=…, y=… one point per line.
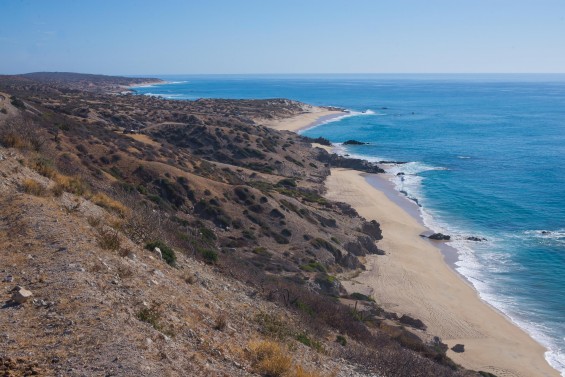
x=476, y=239
x=393, y=162
x=439, y=237
x=354, y=142
x=459, y=348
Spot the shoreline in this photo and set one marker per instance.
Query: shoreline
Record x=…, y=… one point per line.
x=416, y=277
x=312, y=117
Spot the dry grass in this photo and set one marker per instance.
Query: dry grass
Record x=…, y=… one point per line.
x=31, y=186
x=269, y=358
x=109, y=239
x=73, y=185
x=301, y=372
x=105, y=201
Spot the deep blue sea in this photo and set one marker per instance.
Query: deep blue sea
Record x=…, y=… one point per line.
x=486, y=158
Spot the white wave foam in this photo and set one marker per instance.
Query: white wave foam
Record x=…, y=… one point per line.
x=464, y=157
x=349, y=114
x=552, y=234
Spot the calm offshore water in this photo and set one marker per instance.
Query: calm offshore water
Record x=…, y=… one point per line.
x=486, y=158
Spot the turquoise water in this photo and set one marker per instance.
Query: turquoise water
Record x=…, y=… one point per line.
x=486, y=158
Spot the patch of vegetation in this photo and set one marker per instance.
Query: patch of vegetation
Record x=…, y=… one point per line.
x=209, y=255
x=272, y=326
x=360, y=297
x=105, y=201
x=307, y=341
x=208, y=235
x=109, y=239
x=313, y=266
x=340, y=339
x=294, y=161
x=168, y=253
x=269, y=359
x=16, y=102
x=289, y=182
x=32, y=187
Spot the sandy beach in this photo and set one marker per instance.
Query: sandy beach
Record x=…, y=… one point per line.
x=310, y=117
x=413, y=278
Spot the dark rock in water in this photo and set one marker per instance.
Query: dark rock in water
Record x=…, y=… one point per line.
x=384, y=108
x=439, y=237
x=459, y=348
x=393, y=162
x=401, y=173
x=354, y=142
x=476, y=239
x=545, y=232
x=414, y=322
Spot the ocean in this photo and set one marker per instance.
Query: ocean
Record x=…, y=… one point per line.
x=484, y=157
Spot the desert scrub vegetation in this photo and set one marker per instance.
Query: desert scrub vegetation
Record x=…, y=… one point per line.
x=32, y=187
x=109, y=239
x=168, y=253
x=272, y=359
x=152, y=314
x=269, y=358
x=108, y=203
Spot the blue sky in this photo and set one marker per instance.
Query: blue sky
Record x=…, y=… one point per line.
x=272, y=36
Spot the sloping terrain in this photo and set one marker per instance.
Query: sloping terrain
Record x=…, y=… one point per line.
x=181, y=238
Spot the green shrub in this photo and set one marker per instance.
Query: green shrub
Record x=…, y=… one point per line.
x=313, y=266
x=209, y=255
x=168, y=253
x=208, y=235
x=341, y=340
x=305, y=339
x=287, y=182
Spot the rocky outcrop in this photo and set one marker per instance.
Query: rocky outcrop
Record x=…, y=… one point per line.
x=354, y=142
x=459, y=348
x=336, y=161
x=439, y=237
x=372, y=229
x=414, y=322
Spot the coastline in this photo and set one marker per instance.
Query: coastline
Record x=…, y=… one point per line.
x=312, y=117
x=415, y=277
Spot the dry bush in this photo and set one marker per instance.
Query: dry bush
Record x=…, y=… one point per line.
x=31, y=186
x=73, y=185
x=105, y=201
x=190, y=278
x=269, y=358
x=301, y=372
x=109, y=239
x=221, y=322
x=22, y=134
x=43, y=167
